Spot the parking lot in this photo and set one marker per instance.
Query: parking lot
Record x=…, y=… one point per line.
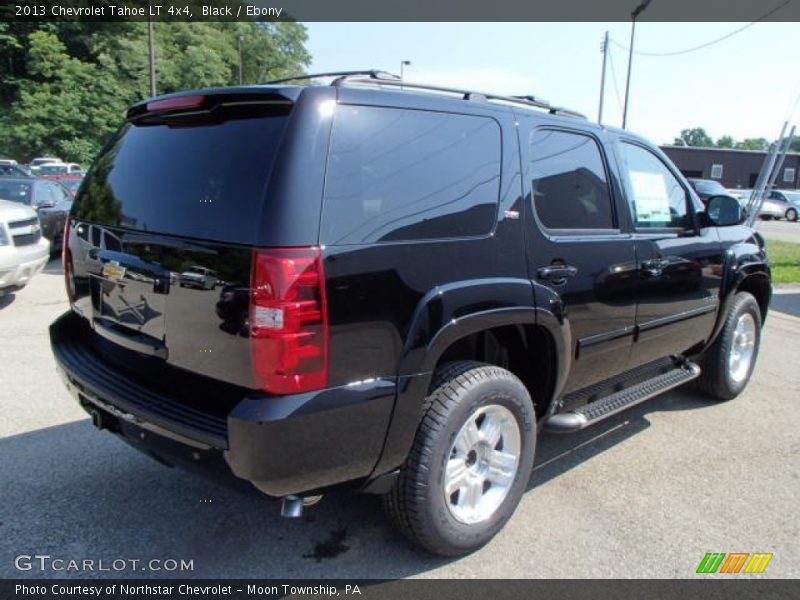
x=643, y=494
x=784, y=231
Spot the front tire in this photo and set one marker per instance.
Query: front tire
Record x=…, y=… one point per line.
x=729, y=362
x=470, y=462
x=791, y=214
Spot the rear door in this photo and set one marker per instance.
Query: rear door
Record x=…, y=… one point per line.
x=576, y=247
x=678, y=263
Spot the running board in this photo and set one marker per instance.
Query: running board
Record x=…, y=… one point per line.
x=580, y=418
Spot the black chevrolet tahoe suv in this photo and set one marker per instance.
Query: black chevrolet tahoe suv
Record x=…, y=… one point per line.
x=411, y=282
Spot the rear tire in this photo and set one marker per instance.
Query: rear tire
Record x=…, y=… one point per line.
x=477, y=439
x=728, y=364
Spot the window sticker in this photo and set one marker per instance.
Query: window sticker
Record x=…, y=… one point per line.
x=651, y=197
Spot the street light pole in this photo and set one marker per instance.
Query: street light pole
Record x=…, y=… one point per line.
x=636, y=12
x=241, y=80
x=152, y=45
x=603, y=79
x=404, y=63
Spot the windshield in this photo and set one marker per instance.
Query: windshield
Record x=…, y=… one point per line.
x=16, y=191
x=203, y=180
x=792, y=197
x=53, y=169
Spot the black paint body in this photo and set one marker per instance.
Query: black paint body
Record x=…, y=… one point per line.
x=394, y=307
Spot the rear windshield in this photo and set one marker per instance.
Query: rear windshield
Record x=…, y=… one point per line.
x=709, y=187
x=201, y=180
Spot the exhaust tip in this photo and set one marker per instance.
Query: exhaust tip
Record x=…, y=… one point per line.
x=292, y=507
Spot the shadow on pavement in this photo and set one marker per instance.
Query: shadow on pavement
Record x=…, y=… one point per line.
x=6, y=298
x=54, y=267
x=73, y=492
x=786, y=303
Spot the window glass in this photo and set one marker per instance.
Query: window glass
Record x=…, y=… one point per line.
x=716, y=171
x=570, y=188
x=657, y=198
x=397, y=174
x=788, y=175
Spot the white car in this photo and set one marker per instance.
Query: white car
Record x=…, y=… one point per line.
x=23, y=250
x=59, y=168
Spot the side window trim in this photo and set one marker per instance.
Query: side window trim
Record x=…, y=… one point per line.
x=566, y=234
x=623, y=167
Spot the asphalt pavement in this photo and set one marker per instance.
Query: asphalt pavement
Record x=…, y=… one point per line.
x=785, y=231
x=644, y=494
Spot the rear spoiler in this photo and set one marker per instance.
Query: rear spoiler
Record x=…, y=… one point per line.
x=207, y=102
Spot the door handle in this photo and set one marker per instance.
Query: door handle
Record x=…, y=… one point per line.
x=556, y=273
x=655, y=266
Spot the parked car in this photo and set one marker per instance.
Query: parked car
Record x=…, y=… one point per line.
x=13, y=171
x=54, y=168
x=51, y=199
x=430, y=279
x=707, y=188
x=200, y=277
x=782, y=204
x=36, y=163
x=23, y=250
x=71, y=182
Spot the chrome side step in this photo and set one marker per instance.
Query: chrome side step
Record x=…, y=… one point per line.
x=580, y=418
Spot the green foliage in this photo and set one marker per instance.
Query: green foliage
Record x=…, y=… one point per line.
x=784, y=258
x=694, y=137
x=67, y=85
x=725, y=141
x=752, y=144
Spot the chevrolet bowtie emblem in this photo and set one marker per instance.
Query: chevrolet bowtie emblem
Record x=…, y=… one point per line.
x=112, y=270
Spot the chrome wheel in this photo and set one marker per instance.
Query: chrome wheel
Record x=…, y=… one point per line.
x=742, y=348
x=482, y=464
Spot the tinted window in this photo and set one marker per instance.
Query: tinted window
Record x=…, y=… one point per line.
x=204, y=180
x=16, y=191
x=570, y=188
x=657, y=198
x=397, y=174
x=708, y=187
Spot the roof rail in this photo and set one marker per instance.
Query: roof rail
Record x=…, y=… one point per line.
x=531, y=101
x=340, y=75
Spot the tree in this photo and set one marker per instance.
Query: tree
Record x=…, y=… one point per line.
x=725, y=141
x=694, y=137
x=752, y=144
x=66, y=85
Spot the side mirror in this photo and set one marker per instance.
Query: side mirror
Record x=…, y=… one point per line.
x=724, y=211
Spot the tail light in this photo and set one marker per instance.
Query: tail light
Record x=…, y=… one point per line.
x=66, y=262
x=289, y=320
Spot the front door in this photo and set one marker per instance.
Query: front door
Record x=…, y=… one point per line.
x=576, y=249
x=678, y=262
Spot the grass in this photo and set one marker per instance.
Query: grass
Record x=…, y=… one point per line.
x=784, y=257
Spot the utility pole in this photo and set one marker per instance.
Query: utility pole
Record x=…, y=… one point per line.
x=404, y=63
x=241, y=80
x=634, y=14
x=152, y=44
x=604, y=47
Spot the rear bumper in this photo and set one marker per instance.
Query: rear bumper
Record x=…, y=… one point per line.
x=283, y=445
x=18, y=264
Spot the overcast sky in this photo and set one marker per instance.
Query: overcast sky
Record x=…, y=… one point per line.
x=744, y=86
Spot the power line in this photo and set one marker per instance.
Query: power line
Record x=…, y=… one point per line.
x=706, y=44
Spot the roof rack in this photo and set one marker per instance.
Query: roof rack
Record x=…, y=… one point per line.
x=340, y=76
x=531, y=101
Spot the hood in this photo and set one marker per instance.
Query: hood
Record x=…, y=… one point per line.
x=14, y=211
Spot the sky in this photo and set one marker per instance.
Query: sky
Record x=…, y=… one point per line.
x=744, y=86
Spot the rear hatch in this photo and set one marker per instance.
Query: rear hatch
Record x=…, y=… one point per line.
x=162, y=233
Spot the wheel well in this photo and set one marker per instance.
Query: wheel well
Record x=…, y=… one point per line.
x=758, y=286
x=527, y=351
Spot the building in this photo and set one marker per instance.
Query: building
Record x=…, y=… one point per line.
x=732, y=168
